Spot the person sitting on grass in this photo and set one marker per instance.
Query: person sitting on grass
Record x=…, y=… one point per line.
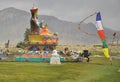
x=86, y=55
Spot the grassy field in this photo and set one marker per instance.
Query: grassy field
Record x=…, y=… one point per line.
x=97, y=70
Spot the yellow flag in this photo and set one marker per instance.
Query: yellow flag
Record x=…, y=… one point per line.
x=106, y=53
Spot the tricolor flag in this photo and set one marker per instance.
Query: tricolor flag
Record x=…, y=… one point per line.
x=101, y=33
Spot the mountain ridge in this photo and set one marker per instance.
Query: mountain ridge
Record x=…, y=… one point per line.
x=14, y=23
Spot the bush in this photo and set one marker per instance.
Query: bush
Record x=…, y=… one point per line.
x=21, y=45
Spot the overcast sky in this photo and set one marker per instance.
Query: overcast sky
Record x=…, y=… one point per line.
x=72, y=10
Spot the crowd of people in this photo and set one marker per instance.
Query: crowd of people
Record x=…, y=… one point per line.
x=78, y=56
x=4, y=53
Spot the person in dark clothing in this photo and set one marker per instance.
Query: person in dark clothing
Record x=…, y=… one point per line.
x=86, y=55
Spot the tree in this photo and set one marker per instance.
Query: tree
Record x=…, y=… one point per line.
x=26, y=38
x=26, y=34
